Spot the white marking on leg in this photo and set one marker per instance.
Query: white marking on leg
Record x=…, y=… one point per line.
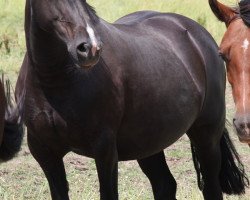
x=245, y=46
x=93, y=39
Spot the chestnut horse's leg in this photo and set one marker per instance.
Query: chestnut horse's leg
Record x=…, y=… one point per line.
x=106, y=159
x=161, y=179
x=207, y=159
x=52, y=166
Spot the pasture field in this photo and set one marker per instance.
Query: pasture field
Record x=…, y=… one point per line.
x=22, y=178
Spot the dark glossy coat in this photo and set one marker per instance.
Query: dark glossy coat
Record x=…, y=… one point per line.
x=158, y=76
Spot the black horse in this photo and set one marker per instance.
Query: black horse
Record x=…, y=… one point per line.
x=124, y=91
x=11, y=125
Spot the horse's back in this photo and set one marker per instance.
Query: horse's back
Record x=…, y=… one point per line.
x=136, y=17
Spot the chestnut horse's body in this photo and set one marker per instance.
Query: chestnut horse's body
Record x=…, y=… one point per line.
x=124, y=91
x=235, y=50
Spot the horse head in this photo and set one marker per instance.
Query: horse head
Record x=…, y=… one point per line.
x=72, y=24
x=235, y=51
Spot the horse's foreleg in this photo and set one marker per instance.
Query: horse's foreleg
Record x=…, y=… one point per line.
x=161, y=179
x=106, y=159
x=52, y=166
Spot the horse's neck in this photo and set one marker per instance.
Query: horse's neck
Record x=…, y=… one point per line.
x=108, y=32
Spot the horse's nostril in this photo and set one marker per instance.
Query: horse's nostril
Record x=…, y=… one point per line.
x=234, y=122
x=248, y=125
x=242, y=126
x=83, y=47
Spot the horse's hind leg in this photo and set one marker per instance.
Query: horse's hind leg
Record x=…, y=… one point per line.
x=52, y=166
x=161, y=179
x=207, y=160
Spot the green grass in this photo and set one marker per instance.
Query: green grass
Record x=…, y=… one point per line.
x=22, y=178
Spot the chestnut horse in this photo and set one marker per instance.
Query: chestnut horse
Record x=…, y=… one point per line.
x=235, y=51
x=11, y=126
x=124, y=91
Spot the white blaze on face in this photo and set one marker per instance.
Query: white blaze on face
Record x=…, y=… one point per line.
x=245, y=46
x=92, y=39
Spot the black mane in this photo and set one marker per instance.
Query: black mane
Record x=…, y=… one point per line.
x=92, y=13
x=244, y=11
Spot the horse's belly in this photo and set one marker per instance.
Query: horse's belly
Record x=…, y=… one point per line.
x=151, y=131
x=145, y=146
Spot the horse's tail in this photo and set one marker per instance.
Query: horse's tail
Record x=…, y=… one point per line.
x=233, y=178
x=13, y=126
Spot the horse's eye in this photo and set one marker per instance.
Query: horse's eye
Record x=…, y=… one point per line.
x=62, y=19
x=55, y=18
x=59, y=18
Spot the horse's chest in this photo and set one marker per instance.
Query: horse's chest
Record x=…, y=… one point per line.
x=43, y=120
x=75, y=127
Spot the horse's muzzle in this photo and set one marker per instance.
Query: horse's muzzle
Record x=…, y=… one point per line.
x=84, y=54
x=87, y=54
x=242, y=126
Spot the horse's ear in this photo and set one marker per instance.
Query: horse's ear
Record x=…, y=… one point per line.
x=221, y=11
